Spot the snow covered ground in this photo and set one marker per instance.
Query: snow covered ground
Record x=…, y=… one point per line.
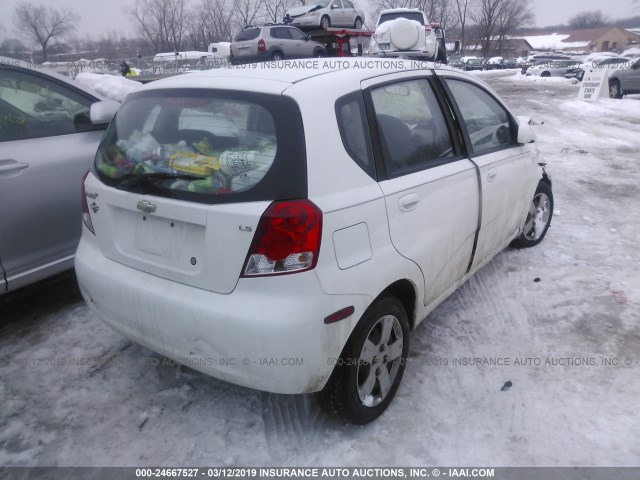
x=559, y=310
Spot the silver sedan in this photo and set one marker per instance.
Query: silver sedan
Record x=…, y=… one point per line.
x=325, y=14
x=50, y=128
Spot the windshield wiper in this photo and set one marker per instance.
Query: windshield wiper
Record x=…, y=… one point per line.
x=152, y=181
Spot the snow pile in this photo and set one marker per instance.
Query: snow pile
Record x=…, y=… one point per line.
x=518, y=77
x=111, y=86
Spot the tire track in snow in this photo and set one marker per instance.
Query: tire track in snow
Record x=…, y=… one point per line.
x=292, y=424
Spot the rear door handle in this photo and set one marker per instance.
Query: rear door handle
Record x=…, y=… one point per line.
x=10, y=165
x=491, y=174
x=409, y=202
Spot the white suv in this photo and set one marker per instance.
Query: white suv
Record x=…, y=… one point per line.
x=407, y=32
x=286, y=229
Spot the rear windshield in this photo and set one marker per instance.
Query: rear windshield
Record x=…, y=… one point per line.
x=247, y=34
x=416, y=16
x=206, y=146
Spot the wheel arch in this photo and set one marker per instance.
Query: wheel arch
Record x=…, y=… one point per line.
x=405, y=291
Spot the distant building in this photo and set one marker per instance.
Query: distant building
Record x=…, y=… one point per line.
x=604, y=39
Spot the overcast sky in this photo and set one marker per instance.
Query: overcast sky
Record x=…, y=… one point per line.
x=101, y=16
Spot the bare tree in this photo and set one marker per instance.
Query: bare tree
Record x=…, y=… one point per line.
x=247, y=11
x=161, y=23
x=446, y=14
x=592, y=19
x=512, y=15
x=218, y=16
x=485, y=18
x=43, y=25
x=462, y=11
x=14, y=48
x=275, y=9
x=496, y=19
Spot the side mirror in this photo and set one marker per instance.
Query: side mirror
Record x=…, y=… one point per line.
x=102, y=112
x=525, y=132
x=307, y=38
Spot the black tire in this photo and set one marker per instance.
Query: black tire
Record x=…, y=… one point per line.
x=319, y=53
x=325, y=22
x=358, y=24
x=545, y=74
x=345, y=394
x=276, y=56
x=538, y=219
x=614, y=89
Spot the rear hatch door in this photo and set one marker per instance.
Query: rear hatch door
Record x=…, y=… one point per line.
x=182, y=178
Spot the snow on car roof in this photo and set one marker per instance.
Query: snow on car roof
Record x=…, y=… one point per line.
x=399, y=10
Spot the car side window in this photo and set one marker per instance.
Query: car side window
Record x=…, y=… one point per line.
x=354, y=131
x=281, y=33
x=413, y=132
x=488, y=124
x=296, y=34
x=34, y=107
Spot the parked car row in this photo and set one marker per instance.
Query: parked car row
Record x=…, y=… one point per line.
x=474, y=63
x=551, y=68
x=607, y=64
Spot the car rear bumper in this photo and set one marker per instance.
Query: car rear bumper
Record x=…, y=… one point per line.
x=268, y=334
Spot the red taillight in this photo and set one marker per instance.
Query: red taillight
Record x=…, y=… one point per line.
x=287, y=239
x=262, y=47
x=427, y=30
x=86, y=216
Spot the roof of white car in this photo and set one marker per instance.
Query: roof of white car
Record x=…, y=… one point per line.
x=275, y=77
x=400, y=10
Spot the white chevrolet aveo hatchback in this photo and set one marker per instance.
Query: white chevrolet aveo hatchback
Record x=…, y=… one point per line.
x=285, y=230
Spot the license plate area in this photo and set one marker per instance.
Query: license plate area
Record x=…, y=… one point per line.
x=385, y=47
x=158, y=236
